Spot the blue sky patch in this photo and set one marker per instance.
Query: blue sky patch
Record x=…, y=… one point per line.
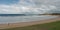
x=8, y=1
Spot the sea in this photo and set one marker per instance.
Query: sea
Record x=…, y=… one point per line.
x=15, y=18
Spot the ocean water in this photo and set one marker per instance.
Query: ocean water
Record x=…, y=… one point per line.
x=14, y=19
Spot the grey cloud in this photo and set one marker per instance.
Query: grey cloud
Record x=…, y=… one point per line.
x=31, y=6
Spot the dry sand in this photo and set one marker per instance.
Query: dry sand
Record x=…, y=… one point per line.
x=22, y=24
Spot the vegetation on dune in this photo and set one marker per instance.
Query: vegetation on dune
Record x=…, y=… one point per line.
x=52, y=13
x=47, y=26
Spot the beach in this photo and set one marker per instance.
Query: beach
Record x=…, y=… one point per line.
x=23, y=24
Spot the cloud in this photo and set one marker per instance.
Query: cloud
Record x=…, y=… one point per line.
x=27, y=7
x=8, y=9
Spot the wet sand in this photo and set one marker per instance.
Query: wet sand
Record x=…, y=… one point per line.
x=22, y=24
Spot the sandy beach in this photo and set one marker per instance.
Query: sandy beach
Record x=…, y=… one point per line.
x=22, y=24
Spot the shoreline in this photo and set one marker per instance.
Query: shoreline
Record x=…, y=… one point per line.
x=23, y=24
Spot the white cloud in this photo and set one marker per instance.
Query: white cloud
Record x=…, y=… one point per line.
x=23, y=7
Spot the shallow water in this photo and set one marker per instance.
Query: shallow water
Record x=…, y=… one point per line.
x=14, y=19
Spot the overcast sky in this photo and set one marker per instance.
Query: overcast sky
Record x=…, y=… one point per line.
x=28, y=6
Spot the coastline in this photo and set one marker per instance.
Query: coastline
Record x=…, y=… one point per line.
x=22, y=24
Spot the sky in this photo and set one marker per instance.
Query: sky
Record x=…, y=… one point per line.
x=29, y=6
x=8, y=1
